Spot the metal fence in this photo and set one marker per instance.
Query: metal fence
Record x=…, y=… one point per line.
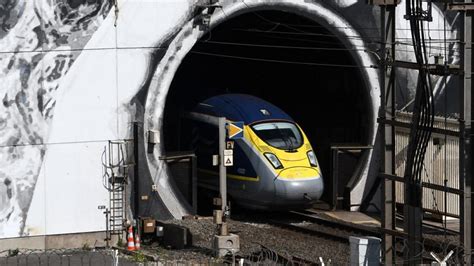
x=59, y=257
x=115, y=257
x=264, y=256
x=441, y=166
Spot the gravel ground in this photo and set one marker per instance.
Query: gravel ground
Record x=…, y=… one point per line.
x=255, y=233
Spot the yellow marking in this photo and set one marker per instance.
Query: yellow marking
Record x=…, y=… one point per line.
x=298, y=173
x=236, y=177
x=265, y=149
x=234, y=130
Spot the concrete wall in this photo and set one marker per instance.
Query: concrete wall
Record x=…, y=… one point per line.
x=76, y=74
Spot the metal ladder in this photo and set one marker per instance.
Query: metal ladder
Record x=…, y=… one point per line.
x=116, y=161
x=117, y=212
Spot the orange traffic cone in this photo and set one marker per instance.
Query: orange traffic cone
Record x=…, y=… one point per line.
x=130, y=243
x=137, y=241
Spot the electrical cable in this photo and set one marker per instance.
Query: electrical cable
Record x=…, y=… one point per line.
x=371, y=39
x=281, y=61
x=284, y=46
x=424, y=105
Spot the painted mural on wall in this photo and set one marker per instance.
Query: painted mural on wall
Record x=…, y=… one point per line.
x=47, y=76
x=39, y=41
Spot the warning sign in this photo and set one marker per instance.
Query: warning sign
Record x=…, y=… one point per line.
x=235, y=130
x=228, y=160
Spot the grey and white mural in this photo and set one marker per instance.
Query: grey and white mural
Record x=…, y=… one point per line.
x=75, y=74
x=39, y=40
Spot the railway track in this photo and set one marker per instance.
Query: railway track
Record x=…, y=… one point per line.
x=311, y=224
x=357, y=229
x=314, y=225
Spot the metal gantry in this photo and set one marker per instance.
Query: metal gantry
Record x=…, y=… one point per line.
x=465, y=148
x=387, y=120
x=387, y=132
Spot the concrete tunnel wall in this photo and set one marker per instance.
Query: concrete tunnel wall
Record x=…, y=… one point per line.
x=70, y=84
x=184, y=41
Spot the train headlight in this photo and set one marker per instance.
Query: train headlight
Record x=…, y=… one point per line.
x=312, y=159
x=273, y=160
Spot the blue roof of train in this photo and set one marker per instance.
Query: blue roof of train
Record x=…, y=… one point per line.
x=242, y=107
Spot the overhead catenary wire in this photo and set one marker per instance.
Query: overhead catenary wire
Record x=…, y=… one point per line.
x=282, y=61
x=285, y=46
x=344, y=27
x=365, y=38
x=363, y=48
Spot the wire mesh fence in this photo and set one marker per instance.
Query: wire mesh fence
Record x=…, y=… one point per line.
x=264, y=256
x=447, y=251
x=60, y=257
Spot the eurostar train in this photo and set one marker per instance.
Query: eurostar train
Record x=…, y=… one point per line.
x=274, y=165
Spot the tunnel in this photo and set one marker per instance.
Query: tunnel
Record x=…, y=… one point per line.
x=286, y=59
x=311, y=76
x=307, y=61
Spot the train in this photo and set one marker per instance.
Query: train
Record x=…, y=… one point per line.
x=274, y=165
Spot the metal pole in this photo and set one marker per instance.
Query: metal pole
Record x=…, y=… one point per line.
x=465, y=149
x=387, y=112
x=194, y=183
x=413, y=213
x=135, y=170
x=222, y=174
x=107, y=233
x=335, y=177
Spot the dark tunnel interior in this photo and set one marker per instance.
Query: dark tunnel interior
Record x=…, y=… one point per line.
x=285, y=59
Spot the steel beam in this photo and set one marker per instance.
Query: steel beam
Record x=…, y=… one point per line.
x=424, y=184
x=209, y=119
x=461, y=6
x=401, y=124
x=220, y=122
x=465, y=148
x=384, y=2
x=434, y=69
x=222, y=168
x=387, y=131
x=136, y=171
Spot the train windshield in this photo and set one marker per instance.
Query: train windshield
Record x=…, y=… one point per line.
x=281, y=135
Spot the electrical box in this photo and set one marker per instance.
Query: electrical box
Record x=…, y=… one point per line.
x=215, y=160
x=148, y=225
x=153, y=136
x=217, y=202
x=159, y=231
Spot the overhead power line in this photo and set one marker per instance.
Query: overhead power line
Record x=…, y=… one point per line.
x=283, y=46
x=367, y=38
x=281, y=61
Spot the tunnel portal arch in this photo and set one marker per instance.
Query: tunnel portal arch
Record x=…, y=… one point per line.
x=186, y=38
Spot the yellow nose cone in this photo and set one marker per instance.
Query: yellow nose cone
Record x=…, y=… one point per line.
x=298, y=173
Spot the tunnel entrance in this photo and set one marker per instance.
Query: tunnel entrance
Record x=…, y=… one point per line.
x=285, y=59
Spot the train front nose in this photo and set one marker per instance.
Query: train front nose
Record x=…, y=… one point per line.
x=294, y=190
